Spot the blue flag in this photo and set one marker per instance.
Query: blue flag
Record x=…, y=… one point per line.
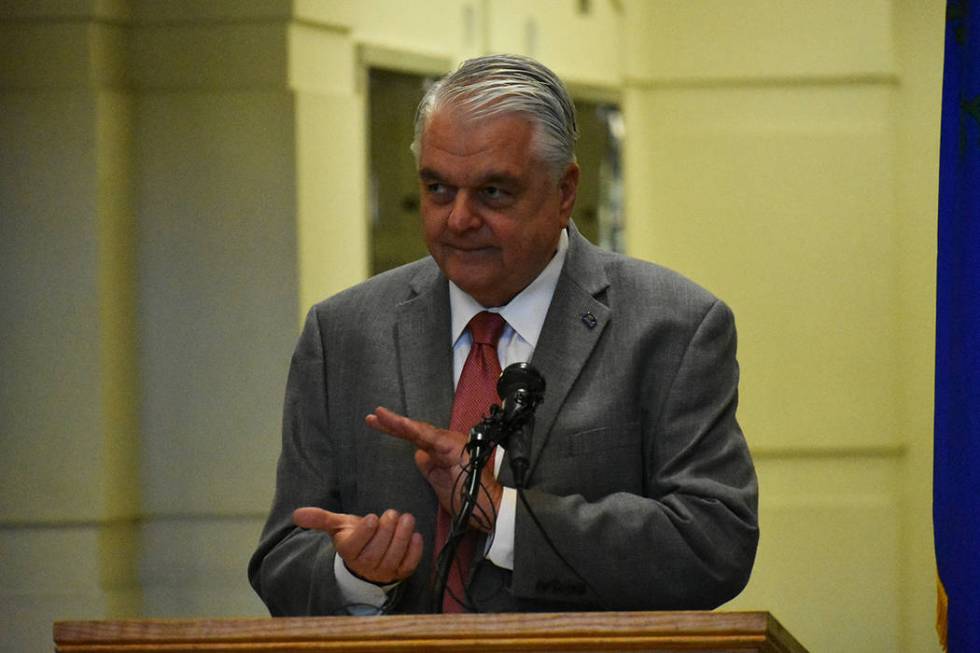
x=956, y=494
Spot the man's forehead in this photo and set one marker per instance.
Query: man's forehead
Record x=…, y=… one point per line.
x=498, y=146
x=450, y=126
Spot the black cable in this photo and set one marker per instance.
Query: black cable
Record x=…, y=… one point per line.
x=490, y=520
x=444, y=566
x=444, y=561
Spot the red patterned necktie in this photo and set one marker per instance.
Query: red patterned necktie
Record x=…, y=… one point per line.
x=476, y=391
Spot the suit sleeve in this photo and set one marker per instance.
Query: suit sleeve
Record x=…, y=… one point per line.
x=292, y=569
x=688, y=539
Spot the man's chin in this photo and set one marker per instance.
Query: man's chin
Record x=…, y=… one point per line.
x=470, y=285
x=477, y=266
x=484, y=291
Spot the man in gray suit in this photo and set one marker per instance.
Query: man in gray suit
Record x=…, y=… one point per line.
x=641, y=494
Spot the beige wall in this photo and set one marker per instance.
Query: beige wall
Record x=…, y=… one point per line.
x=181, y=180
x=769, y=157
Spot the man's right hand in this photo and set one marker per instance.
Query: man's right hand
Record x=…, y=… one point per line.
x=380, y=550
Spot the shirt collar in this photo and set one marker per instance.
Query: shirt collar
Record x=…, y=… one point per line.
x=525, y=313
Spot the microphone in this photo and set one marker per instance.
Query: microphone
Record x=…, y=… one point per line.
x=521, y=389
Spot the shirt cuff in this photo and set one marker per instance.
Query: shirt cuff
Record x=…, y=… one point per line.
x=360, y=597
x=501, y=551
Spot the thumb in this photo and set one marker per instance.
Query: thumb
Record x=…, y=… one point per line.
x=424, y=462
x=319, y=519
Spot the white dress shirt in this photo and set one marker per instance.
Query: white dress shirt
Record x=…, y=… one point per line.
x=525, y=315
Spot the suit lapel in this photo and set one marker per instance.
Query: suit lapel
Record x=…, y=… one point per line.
x=572, y=327
x=424, y=366
x=424, y=351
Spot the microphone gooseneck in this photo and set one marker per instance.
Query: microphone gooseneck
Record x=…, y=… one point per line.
x=520, y=388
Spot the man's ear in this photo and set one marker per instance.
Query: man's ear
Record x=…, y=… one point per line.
x=567, y=190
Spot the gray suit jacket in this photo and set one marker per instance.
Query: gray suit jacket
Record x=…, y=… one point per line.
x=639, y=473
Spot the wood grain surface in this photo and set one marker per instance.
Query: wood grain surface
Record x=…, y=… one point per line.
x=572, y=631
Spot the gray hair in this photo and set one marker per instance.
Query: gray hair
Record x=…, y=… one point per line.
x=502, y=83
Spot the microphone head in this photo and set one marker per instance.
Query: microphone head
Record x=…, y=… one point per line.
x=520, y=376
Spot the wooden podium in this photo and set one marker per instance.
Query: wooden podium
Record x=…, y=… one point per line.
x=569, y=631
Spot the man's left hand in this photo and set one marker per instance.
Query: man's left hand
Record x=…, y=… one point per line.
x=440, y=456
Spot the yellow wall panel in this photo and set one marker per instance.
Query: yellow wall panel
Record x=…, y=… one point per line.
x=48, y=55
x=775, y=154
x=678, y=41
x=829, y=552
x=332, y=200
x=444, y=28
x=117, y=261
x=210, y=56
x=50, y=376
x=213, y=11
x=48, y=574
x=829, y=572
x=69, y=398
x=789, y=219
x=320, y=60
x=581, y=46
x=216, y=174
x=919, y=35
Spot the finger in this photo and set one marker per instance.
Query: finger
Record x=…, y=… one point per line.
x=446, y=447
x=422, y=435
x=400, y=540
x=350, y=542
x=374, y=549
x=424, y=462
x=390, y=422
x=412, y=558
x=321, y=520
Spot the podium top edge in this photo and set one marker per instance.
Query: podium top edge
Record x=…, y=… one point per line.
x=565, y=624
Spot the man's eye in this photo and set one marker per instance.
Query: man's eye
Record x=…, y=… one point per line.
x=438, y=192
x=494, y=193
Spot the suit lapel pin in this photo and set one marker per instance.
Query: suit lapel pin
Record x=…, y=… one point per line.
x=589, y=320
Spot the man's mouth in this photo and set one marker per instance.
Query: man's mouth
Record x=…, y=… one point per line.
x=469, y=249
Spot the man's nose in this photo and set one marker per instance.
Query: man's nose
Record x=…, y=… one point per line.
x=464, y=215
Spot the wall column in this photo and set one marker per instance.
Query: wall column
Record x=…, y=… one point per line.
x=329, y=87
x=68, y=379
x=250, y=169
x=760, y=161
x=215, y=144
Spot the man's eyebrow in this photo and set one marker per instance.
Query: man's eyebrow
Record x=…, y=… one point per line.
x=499, y=177
x=490, y=178
x=428, y=174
